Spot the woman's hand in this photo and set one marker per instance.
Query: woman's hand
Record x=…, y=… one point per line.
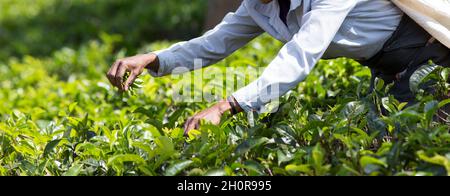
x=135, y=65
x=212, y=114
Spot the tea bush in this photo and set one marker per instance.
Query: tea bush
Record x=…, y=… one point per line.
x=40, y=27
x=60, y=116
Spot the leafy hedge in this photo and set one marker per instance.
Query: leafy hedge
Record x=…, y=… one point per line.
x=59, y=116
x=43, y=26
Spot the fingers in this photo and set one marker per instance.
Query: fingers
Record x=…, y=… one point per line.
x=130, y=80
x=118, y=78
x=134, y=65
x=212, y=115
x=186, y=124
x=117, y=72
x=112, y=72
x=191, y=124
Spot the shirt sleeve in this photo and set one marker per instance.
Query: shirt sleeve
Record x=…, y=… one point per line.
x=236, y=30
x=297, y=58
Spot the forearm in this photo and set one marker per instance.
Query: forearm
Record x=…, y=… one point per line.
x=236, y=30
x=229, y=105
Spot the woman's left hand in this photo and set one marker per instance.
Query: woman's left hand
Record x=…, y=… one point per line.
x=212, y=114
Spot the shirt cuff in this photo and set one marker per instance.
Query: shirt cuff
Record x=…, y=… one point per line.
x=247, y=98
x=164, y=57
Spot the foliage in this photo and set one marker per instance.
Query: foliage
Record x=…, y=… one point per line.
x=43, y=26
x=59, y=116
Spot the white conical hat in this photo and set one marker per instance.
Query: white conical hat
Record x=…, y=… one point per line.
x=432, y=15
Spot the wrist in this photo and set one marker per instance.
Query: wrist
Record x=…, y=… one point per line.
x=235, y=107
x=224, y=106
x=152, y=62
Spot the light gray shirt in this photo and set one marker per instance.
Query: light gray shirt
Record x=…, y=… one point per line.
x=315, y=29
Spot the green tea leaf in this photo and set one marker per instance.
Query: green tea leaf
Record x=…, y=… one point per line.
x=436, y=159
x=367, y=160
x=50, y=146
x=298, y=168
x=431, y=109
x=177, y=168
x=74, y=170
x=419, y=75
x=249, y=144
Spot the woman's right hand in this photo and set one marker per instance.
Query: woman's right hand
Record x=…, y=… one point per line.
x=135, y=65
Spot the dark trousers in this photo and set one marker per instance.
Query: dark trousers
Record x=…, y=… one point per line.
x=409, y=48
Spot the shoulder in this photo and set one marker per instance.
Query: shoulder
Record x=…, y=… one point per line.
x=256, y=7
x=252, y=4
x=332, y=4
